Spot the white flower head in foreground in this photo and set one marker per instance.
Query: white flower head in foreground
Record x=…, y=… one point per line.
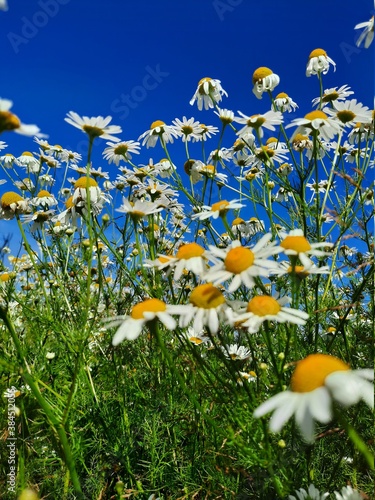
x=347, y=493
x=12, y=204
x=350, y=112
x=317, y=381
x=263, y=308
x=311, y=494
x=295, y=244
x=285, y=103
x=158, y=129
x=11, y=122
x=209, y=93
x=316, y=122
x=319, y=63
x=96, y=126
x=264, y=79
x=142, y=313
x=218, y=209
x=121, y=151
x=367, y=34
x=242, y=264
x=258, y=122
x=206, y=307
x=333, y=94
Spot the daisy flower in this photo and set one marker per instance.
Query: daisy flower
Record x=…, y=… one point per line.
x=317, y=381
x=207, y=131
x=188, y=129
x=264, y=79
x=241, y=264
x=267, y=154
x=226, y=116
x=96, y=126
x=139, y=209
x=319, y=63
x=258, y=122
x=8, y=160
x=11, y=122
x=12, y=204
x=29, y=162
x=120, y=151
x=301, y=272
x=333, y=94
x=158, y=129
x=263, y=308
x=196, y=338
x=44, y=199
x=285, y=103
x=311, y=494
x=347, y=493
x=218, y=209
x=206, y=307
x=142, y=313
x=209, y=93
x=295, y=244
x=189, y=257
x=367, y=34
x=86, y=186
x=236, y=352
x=316, y=121
x=350, y=112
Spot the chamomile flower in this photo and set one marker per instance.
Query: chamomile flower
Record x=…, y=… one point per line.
x=12, y=204
x=158, y=130
x=258, y=122
x=332, y=95
x=242, y=264
x=96, y=126
x=139, y=209
x=218, y=209
x=206, y=308
x=295, y=244
x=226, y=116
x=11, y=122
x=350, y=112
x=120, y=151
x=312, y=493
x=196, y=338
x=209, y=93
x=190, y=257
x=84, y=187
x=236, y=352
x=44, y=199
x=207, y=131
x=264, y=79
x=188, y=129
x=8, y=160
x=367, y=34
x=347, y=493
x=316, y=122
x=142, y=313
x=263, y=308
x=319, y=62
x=285, y=103
x=317, y=381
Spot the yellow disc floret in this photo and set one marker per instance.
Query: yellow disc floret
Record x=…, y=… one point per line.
x=84, y=182
x=296, y=243
x=156, y=124
x=189, y=251
x=263, y=305
x=220, y=206
x=9, y=198
x=238, y=259
x=43, y=194
x=261, y=73
x=317, y=53
x=317, y=114
x=149, y=305
x=207, y=296
x=312, y=371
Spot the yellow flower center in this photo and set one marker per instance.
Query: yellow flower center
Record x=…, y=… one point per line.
x=206, y=296
x=43, y=194
x=84, y=182
x=312, y=371
x=27, y=153
x=313, y=115
x=272, y=140
x=261, y=73
x=187, y=130
x=69, y=202
x=121, y=149
x=163, y=259
x=300, y=137
x=93, y=131
x=282, y=95
x=8, y=121
x=149, y=305
x=263, y=305
x=157, y=123
x=317, y=53
x=237, y=221
x=265, y=153
x=238, y=145
x=220, y=206
x=189, y=251
x=203, y=80
x=256, y=123
x=345, y=116
x=296, y=243
x=238, y=259
x=8, y=198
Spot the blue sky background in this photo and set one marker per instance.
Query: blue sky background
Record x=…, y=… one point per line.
x=83, y=55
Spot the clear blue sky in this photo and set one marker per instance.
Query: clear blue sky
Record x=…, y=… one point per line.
x=86, y=55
